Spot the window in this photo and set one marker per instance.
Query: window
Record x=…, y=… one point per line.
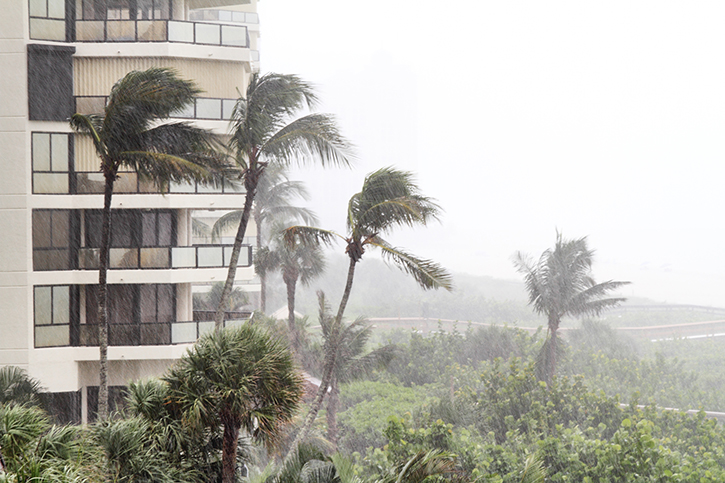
x=52, y=315
x=132, y=228
x=126, y=9
x=47, y=19
x=51, y=162
x=50, y=82
x=137, y=314
x=52, y=240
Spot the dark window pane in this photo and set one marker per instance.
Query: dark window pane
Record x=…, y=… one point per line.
x=148, y=303
x=61, y=228
x=41, y=229
x=165, y=304
x=165, y=221
x=51, y=259
x=91, y=304
x=120, y=304
x=148, y=229
x=93, y=229
x=121, y=229
x=50, y=77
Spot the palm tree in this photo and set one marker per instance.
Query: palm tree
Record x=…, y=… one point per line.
x=263, y=134
x=422, y=466
x=274, y=200
x=351, y=362
x=237, y=378
x=389, y=199
x=559, y=285
x=297, y=262
x=127, y=134
x=17, y=387
x=35, y=451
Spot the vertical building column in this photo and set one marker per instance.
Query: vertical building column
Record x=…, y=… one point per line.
x=184, y=302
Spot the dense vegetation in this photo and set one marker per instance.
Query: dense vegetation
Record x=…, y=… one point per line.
x=465, y=405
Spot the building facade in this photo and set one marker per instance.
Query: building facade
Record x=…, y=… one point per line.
x=64, y=56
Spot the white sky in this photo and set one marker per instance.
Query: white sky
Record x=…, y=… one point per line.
x=604, y=119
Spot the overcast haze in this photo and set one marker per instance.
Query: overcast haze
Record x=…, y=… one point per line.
x=605, y=120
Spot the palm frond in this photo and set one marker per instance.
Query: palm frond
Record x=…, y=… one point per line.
x=91, y=125
x=308, y=235
x=270, y=100
x=389, y=198
x=315, y=136
x=428, y=274
x=143, y=96
x=421, y=466
x=374, y=360
x=225, y=223
x=533, y=471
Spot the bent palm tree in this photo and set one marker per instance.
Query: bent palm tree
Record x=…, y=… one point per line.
x=263, y=133
x=239, y=378
x=389, y=199
x=127, y=135
x=560, y=285
x=273, y=201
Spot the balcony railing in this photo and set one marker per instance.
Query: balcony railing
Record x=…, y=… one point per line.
x=201, y=256
x=217, y=15
x=93, y=182
x=140, y=258
x=202, y=33
x=205, y=108
x=157, y=333
x=153, y=333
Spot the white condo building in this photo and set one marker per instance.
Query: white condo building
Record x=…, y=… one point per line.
x=61, y=57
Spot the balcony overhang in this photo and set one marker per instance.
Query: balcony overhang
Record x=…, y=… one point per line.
x=141, y=201
x=194, y=4
x=163, y=49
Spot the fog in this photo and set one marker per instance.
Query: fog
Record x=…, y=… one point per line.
x=600, y=119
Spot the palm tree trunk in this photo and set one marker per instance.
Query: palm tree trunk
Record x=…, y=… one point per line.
x=346, y=293
x=229, y=449
x=553, y=341
x=103, y=295
x=250, y=183
x=327, y=372
x=314, y=408
x=333, y=403
x=291, y=284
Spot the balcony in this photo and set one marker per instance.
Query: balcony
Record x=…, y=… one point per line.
x=141, y=258
x=206, y=256
x=93, y=183
x=203, y=108
x=175, y=31
x=141, y=334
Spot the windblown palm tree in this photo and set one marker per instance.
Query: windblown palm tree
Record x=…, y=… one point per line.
x=127, y=135
x=560, y=285
x=389, y=199
x=264, y=132
x=347, y=342
x=238, y=379
x=297, y=262
x=273, y=201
